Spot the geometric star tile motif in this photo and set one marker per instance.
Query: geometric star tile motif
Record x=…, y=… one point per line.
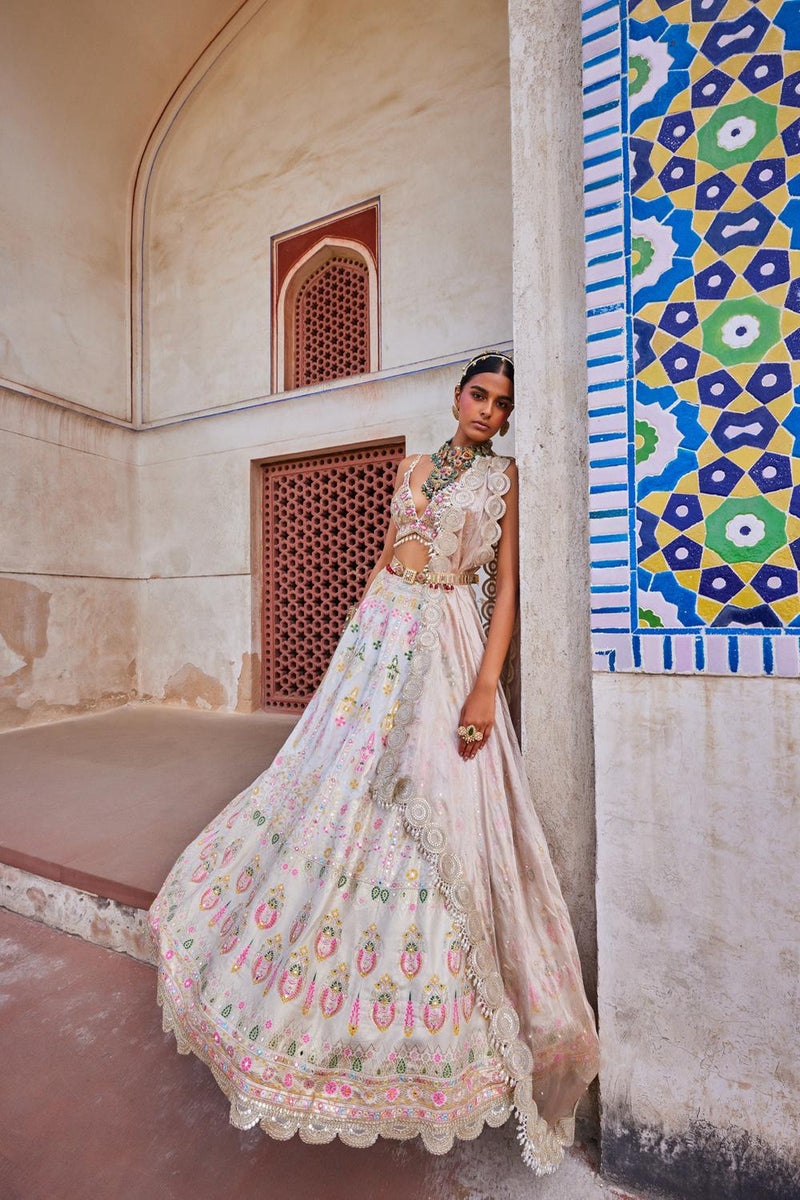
x=715, y=289
x=692, y=234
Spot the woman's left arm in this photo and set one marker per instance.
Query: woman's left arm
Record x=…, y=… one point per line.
x=479, y=707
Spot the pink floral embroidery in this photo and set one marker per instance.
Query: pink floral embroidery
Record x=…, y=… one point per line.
x=434, y=1012
x=383, y=1006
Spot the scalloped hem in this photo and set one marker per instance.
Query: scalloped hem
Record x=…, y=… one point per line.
x=281, y=1125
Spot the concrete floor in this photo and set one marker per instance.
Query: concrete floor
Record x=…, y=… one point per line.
x=96, y=1102
x=106, y=802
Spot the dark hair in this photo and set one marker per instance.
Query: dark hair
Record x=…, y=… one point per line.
x=496, y=364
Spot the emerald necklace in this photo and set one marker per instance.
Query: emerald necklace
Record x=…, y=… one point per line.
x=449, y=462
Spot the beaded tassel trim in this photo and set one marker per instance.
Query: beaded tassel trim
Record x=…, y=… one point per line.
x=542, y=1145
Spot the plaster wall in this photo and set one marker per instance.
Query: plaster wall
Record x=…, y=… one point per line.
x=127, y=570
x=69, y=555
x=199, y=618
x=81, y=86
x=550, y=419
x=312, y=108
x=699, y=929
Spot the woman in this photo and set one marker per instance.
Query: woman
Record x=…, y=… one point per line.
x=370, y=938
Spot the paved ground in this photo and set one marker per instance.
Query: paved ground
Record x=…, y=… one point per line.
x=96, y=1104
x=106, y=802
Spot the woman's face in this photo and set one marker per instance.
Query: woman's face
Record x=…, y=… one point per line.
x=484, y=402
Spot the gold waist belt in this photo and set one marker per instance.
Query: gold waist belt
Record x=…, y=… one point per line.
x=445, y=579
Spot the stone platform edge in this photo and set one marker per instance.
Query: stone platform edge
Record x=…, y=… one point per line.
x=96, y=919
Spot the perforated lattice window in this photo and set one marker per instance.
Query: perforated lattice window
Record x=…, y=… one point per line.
x=331, y=326
x=325, y=520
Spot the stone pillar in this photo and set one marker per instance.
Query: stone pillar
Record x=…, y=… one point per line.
x=551, y=443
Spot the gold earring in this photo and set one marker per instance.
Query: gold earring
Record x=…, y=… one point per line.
x=455, y=411
x=504, y=429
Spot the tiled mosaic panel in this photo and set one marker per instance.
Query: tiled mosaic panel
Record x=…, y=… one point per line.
x=693, y=265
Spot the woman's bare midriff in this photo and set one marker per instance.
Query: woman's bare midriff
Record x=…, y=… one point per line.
x=412, y=554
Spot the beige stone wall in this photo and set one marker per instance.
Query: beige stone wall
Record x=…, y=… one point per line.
x=310, y=109
x=126, y=566
x=69, y=554
x=199, y=632
x=550, y=384
x=81, y=86
x=126, y=571
x=699, y=929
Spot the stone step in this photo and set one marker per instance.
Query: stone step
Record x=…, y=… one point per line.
x=95, y=918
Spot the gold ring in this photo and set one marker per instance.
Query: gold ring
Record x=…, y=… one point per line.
x=469, y=733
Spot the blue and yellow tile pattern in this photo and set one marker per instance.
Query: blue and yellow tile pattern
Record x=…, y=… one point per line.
x=702, y=311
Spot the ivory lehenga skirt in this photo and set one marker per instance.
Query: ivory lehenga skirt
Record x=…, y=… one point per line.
x=370, y=939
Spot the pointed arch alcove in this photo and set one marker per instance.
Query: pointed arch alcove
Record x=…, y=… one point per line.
x=325, y=300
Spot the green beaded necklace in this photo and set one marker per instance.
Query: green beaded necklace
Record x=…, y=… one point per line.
x=449, y=462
